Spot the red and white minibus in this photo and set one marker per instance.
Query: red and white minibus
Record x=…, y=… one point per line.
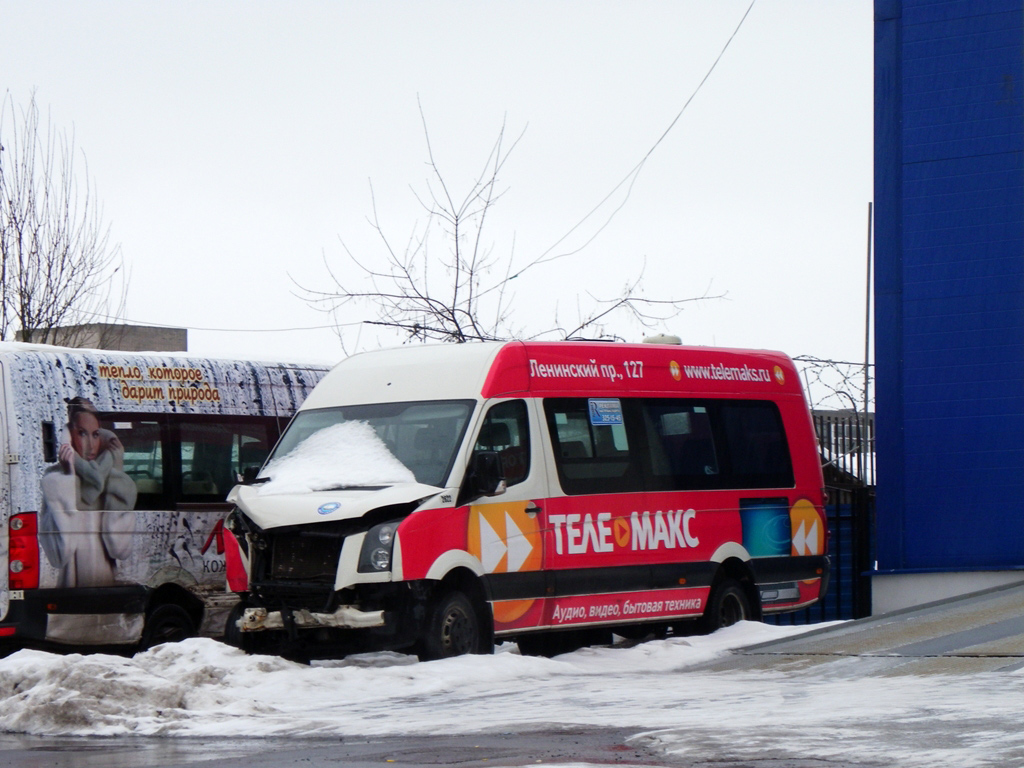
x=436, y=498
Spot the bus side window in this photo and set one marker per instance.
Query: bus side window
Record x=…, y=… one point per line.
x=49, y=442
x=758, y=451
x=249, y=454
x=143, y=458
x=682, y=445
x=591, y=458
x=215, y=452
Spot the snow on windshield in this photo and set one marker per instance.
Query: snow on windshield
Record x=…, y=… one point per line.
x=344, y=454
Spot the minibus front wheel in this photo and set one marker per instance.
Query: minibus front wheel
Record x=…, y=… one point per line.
x=453, y=628
x=233, y=635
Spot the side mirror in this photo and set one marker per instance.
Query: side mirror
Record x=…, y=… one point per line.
x=249, y=475
x=485, y=476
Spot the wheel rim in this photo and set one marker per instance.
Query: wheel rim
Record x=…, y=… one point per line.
x=457, y=632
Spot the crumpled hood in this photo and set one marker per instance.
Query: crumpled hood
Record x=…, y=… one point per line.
x=276, y=510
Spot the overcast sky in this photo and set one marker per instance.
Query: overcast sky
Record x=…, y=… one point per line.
x=233, y=146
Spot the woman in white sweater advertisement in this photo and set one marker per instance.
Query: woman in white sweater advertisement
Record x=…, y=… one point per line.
x=87, y=502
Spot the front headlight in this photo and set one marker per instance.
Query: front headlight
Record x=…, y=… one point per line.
x=386, y=534
x=375, y=555
x=380, y=559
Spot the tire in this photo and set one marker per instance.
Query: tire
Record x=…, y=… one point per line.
x=550, y=644
x=266, y=642
x=536, y=645
x=167, y=623
x=727, y=605
x=233, y=635
x=642, y=632
x=453, y=629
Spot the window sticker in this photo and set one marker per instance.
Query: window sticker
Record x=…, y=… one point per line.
x=605, y=412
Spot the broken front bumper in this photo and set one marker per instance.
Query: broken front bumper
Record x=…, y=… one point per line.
x=345, y=617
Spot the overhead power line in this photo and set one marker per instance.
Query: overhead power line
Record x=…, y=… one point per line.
x=134, y=321
x=634, y=173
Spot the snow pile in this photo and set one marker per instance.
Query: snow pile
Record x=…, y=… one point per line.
x=796, y=710
x=43, y=693
x=344, y=454
x=202, y=687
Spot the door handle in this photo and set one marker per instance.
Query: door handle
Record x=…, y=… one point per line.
x=532, y=509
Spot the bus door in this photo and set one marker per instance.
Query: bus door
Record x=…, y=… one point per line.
x=505, y=531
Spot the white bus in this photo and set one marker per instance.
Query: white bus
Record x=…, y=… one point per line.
x=112, y=491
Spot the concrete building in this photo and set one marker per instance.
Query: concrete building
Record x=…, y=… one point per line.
x=124, y=338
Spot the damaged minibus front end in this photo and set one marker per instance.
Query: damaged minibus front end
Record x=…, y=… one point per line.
x=316, y=554
x=318, y=569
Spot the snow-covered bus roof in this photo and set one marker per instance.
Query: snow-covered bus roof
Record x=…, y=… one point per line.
x=156, y=382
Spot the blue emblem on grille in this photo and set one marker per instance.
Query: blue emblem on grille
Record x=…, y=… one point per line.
x=326, y=509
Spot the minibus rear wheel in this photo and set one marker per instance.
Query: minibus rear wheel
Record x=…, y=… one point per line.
x=452, y=629
x=727, y=605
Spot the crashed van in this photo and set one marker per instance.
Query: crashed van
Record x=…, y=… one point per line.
x=437, y=499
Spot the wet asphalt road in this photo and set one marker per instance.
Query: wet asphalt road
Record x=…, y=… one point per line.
x=599, y=747
x=603, y=747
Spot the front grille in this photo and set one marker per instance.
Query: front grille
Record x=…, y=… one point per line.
x=303, y=557
x=276, y=595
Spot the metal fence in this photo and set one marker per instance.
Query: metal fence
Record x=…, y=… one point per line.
x=847, y=441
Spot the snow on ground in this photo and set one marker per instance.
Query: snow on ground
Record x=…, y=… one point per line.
x=203, y=688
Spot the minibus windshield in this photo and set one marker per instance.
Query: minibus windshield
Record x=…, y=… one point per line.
x=423, y=436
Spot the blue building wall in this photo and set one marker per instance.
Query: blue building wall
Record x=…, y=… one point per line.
x=949, y=283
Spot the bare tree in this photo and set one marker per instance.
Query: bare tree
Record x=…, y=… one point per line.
x=448, y=283
x=842, y=396
x=835, y=384
x=58, y=268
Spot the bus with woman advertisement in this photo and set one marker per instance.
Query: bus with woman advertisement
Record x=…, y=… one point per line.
x=116, y=467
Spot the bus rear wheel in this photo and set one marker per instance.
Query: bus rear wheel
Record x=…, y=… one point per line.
x=453, y=628
x=167, y=623
x=727, y=605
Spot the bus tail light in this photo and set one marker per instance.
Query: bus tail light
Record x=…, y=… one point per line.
x=23, y=548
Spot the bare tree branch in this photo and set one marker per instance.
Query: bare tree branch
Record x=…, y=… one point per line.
x=834, y=384
x=58, y=267
x=457, y=288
